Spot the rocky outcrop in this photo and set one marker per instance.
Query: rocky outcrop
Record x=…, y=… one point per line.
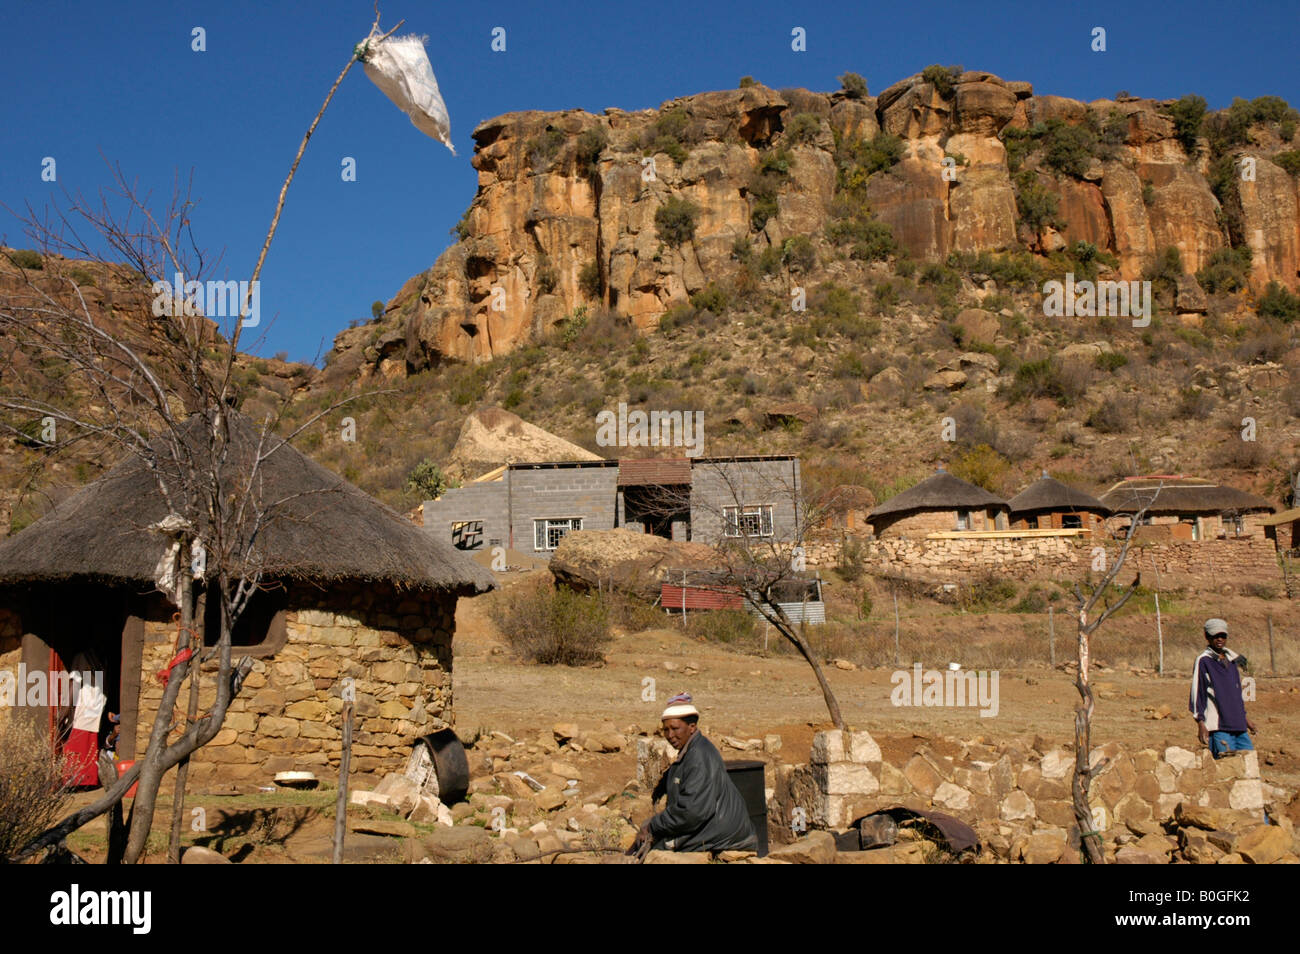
x=565, y=213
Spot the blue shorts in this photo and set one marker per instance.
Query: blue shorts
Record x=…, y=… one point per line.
x=1221, y=743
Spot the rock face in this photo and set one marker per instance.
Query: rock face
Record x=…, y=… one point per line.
x=566, y=207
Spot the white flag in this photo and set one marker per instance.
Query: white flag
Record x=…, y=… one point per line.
x=400, y=67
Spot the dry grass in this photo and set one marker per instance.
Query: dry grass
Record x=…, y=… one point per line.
x=32, y=793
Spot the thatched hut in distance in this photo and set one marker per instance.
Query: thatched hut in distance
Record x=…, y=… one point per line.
x=939, y=503
x=1189, y=508
x=1284, y=530
x=1048, y=504
x=359, y=591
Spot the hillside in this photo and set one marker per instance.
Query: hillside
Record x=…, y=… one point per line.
x=587, y=276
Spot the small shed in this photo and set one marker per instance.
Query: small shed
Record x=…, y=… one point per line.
x=1049, y=504
x=845, y=507
x=940, y=503
x=351, y=589
x=1284, y=530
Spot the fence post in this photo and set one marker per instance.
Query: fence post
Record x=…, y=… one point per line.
x=895, y=593
x=1051, y=635
x=1160, y=636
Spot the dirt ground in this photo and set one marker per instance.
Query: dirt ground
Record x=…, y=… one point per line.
x=750, y=695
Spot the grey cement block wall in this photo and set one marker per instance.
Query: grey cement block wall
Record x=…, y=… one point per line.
x=476, y=503
x=719, y=484
x=555, y=493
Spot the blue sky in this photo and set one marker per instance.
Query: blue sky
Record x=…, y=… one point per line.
x=85, y=78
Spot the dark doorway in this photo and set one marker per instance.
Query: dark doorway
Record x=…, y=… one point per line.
x=657, y=507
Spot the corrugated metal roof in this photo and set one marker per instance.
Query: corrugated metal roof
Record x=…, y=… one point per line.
x=698, y=598
x=654, y=470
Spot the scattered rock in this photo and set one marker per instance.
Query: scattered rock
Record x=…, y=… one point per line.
x=814, y=848
x=198, y=855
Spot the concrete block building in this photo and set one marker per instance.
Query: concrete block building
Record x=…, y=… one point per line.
x=529, y=507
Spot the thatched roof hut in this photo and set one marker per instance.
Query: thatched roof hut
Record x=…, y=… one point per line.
x=941, y=495
x=1047, y=494
x=350, y=588
x=318, y=528
x=1179, y=494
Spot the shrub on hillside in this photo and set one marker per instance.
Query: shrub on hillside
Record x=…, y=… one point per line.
x=712, y=298
x=589, y=280
x=675, y=220
x=1279, y=303
x=552, y=625
x=854, y=85
x=942, y=78
x=1228, y=270
x=32, y=793
x=1187, y=115
x=590, y=145
x=803, y=128
x=798, y=254
x=26, y=258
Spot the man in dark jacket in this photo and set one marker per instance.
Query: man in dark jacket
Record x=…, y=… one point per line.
x=705, y=811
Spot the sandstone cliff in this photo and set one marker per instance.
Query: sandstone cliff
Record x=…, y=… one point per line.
x=565, y=213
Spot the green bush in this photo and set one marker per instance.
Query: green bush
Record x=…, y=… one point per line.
x=1187, y=115
x=426, y=479
x=942, y=78
x=1068, y=149
x=1110, y=361
x=870, y=239
x=552, y=625
x=835, y=301
x=589, y=280
x=852, y=562
x=545, y=278
x=542, y=149
x=803, y=128
x=1289, y=161
x=26, y=258
x=590, y=145
x=1277, y=302
x=712, y=298
x=1228, y=270
x=854, y=85
x=798, y=254
x=857, y=159
x=1037, y=206
x=461, y=228
x=678, y=316
x=675, y=220
x=747, y=81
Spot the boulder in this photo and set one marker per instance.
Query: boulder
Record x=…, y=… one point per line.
x=633, y=563
x=814, y=848
x=1263, y=844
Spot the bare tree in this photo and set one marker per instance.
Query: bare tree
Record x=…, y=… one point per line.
x=1088, y=624
x=757, y=560
x=162, y=390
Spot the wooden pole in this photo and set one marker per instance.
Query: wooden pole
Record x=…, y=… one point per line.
x=1051, y=636
x=1160, y=637
x=1272, y=662
x=895, y=593
x=345, y=760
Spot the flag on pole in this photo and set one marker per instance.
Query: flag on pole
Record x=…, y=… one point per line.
x=400, y=68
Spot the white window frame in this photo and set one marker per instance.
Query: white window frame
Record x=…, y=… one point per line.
x=763, y=524
x=544, y=527
x=963, y=519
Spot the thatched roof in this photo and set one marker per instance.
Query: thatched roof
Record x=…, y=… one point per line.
x=1048, y=493
x=941, y=491
x=319, y=527
x=1179, y=494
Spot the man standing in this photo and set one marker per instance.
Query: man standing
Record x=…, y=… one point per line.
x=705, y=811
x=1216, y=701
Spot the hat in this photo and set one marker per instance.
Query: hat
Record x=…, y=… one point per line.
x=680, y=706
x=1216, y=627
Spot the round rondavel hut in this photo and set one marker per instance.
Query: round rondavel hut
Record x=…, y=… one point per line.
x=939, y=503
x=1048, y=504
x=351, y=589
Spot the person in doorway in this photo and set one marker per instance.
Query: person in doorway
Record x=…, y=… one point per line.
x=81, y=767
x=705, y=811
x=1216, y=700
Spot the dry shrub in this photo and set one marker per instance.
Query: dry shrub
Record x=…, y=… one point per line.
x=550, y=625
x=32, y=793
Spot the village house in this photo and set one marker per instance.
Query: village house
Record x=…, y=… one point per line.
x=1179, y=507
x=940, y=503
x=529, y=507
x=845, y=507
x=1048, y=504
x=1284, y=530
x=351, y=589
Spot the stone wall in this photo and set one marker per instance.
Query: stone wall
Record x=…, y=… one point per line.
x=933, y=521
x=1202, y=564
x=396, y=647
x=1018, y=798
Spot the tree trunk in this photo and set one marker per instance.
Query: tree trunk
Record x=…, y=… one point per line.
x=789, y=632
x=191, y=623
x=1089, y=840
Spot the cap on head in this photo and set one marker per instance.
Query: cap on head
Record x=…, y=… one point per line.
x=1215, y=627
x=680, y=706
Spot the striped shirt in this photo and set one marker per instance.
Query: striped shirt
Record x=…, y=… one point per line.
x=1216, y=692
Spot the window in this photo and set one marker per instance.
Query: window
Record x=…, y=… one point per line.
x=547, y=534
x=747, y=521
x=1071, y=521
x=963, y=519
x=260, y=629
